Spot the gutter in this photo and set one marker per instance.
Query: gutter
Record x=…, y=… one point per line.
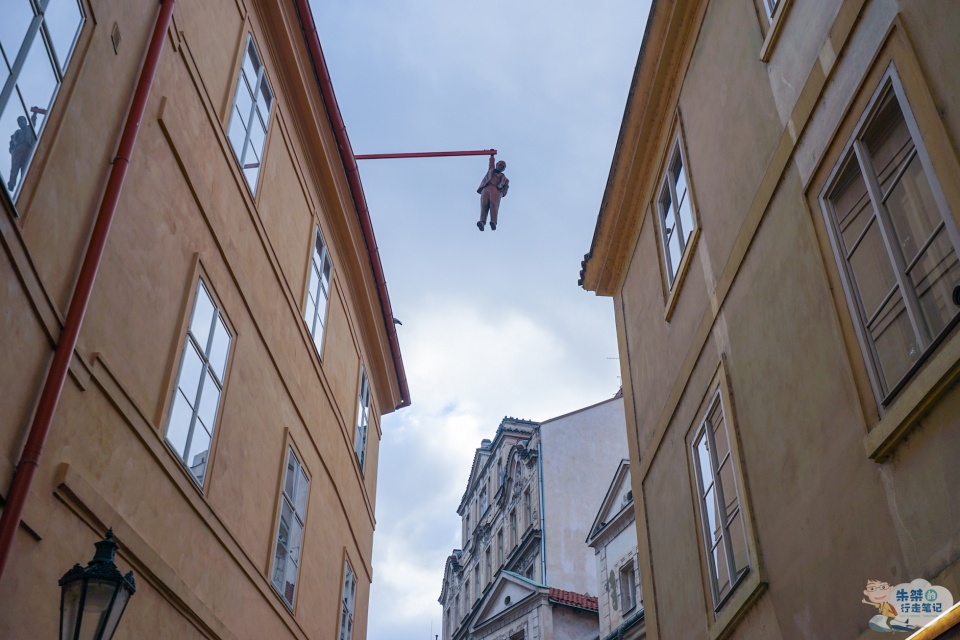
x=356, y=188
x=543, y=518
x=57, y=375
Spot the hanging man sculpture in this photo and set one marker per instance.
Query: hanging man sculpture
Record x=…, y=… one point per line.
x=21, y=142
x=493, y=187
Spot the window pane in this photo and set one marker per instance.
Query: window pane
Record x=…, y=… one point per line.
x=738, y=540
x=179, y=424
x=685, y=210
x=913, y=210
x=202, y=317
x=209, y=400
x=199, y=451
x=17, y=15
x=237, y=133
x=728, y=485
x=290, y=476
x=190, y=371
x=326, y=269
x=15, y=128
x=895, y=342
x=719, y=558
x=310, y=313
x=63, y=19
x=872, y=271
x=265, y=99
x=279, y=564
x=713, y=516
x=851, y=202
x=258, y=136
x=887, y=139
x=934, y=277
x=37, y=82
x=703, y=464
x=251, y=62
x=219, y=348
x=303, y=488
x=251, y=170
x=293, y=547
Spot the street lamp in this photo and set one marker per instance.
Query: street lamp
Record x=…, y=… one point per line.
x=92, y=599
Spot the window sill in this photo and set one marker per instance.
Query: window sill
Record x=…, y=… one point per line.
x=685, y=261
x=745, y=594
x=916, y=399
x=774, y=28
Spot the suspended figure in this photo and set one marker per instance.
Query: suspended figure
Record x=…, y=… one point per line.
x=493, y=187
x=21, y=143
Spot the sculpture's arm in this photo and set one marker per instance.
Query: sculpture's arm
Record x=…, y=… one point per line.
x=491, y=161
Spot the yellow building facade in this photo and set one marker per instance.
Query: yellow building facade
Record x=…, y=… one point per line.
x=779, y=235
x=223, y=403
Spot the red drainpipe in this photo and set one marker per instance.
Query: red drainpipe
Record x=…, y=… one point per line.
x=53, y=386
x=353, y=177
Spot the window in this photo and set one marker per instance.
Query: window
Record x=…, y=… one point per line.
x=628, y=587
x=349, y=599
x=476, y=580
x=466, y=530
x=894, y=239
x=499, y=473
x=363, y=417
x=771, y=6
x=250, y=115
x=489, y=564
x=675, y=213
x=721, y=518
x=527, y=510
x=199, y=385
x=456, y=607
x=293, y=508
x=500, y=548
x=483, y=500
x=513, y=528
x=315, y=310
x=37, y=39
x=466, y=597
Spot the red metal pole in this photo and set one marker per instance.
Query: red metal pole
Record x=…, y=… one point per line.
x=53, y=386
x=425, y=154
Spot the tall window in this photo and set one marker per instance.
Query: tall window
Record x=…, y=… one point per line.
x=895, y=239
x=513, y=528
x=489, y=565
x=476, y=579
x=315, y=312
x=363, y=417
x=199, y=385
x=293, y=508
x=499, y=473
x=37, y=38
x=500, y=548
x=347, y=602
x=250, y=115
x=527, y=509
x=483, y=500
x=675, y=213
x=721, y=518
x=467, y=602
x=456, y=607
x=628, y=587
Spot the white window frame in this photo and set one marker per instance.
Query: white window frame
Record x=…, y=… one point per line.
x=13, y=102
x=668, y=189
x=855, y=151
x=318, y=291
x=250, y=165
x=294, y=496
x=363, y=419
x=628, y=586
x=706, y=429
x=187, y=401
x=348, y=602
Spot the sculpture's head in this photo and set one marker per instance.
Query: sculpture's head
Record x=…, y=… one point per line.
x=22, y=121
x=501, y=166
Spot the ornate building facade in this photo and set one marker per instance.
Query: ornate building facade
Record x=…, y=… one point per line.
x=523, y=570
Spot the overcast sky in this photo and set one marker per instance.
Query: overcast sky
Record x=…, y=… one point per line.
x=494, y=323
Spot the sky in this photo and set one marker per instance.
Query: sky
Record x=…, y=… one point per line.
x=494, y=323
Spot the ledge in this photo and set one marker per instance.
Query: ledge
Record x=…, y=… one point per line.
x=744, y=596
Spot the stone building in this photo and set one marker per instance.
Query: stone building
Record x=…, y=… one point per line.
x=779, y=234
x=221, y=408
x=613, y=537
x=523, y=571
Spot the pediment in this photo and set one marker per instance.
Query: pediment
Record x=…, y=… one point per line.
x=509, y=591
x=619, y=495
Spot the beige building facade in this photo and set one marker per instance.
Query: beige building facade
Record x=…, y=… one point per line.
x=222, y=409
x=779, y=235
x=523, y=571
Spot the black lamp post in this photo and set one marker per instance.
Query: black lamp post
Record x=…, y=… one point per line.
x=92, y=599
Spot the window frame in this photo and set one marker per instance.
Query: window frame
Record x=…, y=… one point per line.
x=11, y=95
x=362, y=426
x=253, y=112
x=753, y=584
x=190, y=341
x=673, y=280
x=630, y=568
x=290, y=451
x=853, y=151
x=348, y=601
x=527, y=508
x=311, y=298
